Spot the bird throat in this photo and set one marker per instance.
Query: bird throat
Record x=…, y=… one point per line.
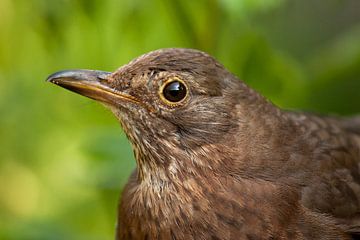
x=154, y=154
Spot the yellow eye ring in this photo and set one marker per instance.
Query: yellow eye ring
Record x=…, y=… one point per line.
x=173, y=92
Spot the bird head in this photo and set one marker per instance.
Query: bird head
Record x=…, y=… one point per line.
x=172, y=103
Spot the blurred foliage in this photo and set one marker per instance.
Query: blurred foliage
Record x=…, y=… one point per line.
x=64, y=159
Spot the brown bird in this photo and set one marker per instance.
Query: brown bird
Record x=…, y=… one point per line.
x=216, y=160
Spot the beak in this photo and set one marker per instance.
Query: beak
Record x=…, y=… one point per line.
x=90, y=83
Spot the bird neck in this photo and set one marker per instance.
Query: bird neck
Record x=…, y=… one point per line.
x=265, y=141
x=159, y=169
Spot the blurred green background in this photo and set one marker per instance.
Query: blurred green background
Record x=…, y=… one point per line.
x=64, y=158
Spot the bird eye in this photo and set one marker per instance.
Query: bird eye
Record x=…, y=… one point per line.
x=174, y=91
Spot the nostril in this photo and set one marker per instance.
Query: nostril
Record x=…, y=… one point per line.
x=104, y=81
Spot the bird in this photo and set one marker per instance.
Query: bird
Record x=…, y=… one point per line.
x=217, y=160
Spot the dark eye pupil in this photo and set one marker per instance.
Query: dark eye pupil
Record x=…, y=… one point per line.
x=174, y=91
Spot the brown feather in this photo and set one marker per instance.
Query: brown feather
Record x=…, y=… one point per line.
x=225, y=163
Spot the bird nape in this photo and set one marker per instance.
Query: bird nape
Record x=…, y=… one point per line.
x=216, y=160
